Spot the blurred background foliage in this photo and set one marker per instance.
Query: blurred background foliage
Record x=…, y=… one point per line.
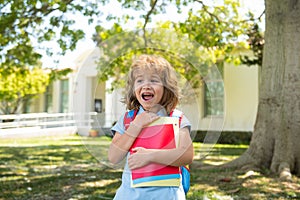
x=212, y=32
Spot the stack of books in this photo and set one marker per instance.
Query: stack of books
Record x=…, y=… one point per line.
x=160, y=134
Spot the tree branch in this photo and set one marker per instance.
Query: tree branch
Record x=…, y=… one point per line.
x=4, y=5
x=207, y=11
x=260, y=16
x=32, y=16
x=153, y=4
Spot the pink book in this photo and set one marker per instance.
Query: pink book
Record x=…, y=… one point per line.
x=161, y=134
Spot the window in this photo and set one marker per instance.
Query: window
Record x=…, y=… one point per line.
x=214, y=96
x=26, y=106
x=64, y=96
x=49, y=99
x=98, y=105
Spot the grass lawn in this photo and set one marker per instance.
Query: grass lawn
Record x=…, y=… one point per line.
x=75, y=167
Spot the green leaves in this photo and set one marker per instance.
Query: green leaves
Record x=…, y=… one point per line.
x=184, y=55
x=22, y=22
x=209, y=35
x=256, y=42
x=19, y=86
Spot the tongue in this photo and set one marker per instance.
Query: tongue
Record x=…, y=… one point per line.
x=148, y=97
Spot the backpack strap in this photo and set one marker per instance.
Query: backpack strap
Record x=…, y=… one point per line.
x=184, y=170
x=129, y=117
x=176, y=113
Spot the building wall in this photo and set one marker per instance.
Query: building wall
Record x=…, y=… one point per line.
x=38, y=104
x=241, y=86
x=114, y=108
x=240, y=104
x=56, y=97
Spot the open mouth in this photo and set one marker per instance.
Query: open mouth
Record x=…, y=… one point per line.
x=147, y=96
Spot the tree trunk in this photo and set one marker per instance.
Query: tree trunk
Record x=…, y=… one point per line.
x=275, y=143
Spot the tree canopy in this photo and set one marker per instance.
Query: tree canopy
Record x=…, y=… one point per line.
x=23, y=84
x=19, y=87
x=207, y=36
x=24, y=22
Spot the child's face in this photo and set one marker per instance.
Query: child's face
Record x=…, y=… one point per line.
x=148, y=89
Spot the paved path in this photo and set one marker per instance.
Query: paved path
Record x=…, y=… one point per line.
x=36, y=132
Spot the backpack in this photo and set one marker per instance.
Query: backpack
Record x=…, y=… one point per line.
x=185, y=171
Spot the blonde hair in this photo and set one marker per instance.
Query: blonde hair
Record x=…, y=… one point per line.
x=166, y=73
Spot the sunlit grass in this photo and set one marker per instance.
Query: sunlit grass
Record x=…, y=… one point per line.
x=75, y=167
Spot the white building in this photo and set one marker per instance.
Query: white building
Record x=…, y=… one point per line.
x=81, y=93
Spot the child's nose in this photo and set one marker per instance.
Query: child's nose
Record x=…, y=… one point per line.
x=147, y=84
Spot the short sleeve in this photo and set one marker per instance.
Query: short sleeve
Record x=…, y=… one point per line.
x=185, y=123
x=119, y=126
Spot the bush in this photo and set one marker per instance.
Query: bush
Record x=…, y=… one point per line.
x=226, y=137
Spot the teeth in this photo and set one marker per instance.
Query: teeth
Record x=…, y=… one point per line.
x=147, y=96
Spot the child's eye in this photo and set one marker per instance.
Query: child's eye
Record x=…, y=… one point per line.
x=139, y=81
x=154, y=81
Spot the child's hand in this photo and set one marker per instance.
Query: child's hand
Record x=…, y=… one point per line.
x=139, y=158
x=145, y=118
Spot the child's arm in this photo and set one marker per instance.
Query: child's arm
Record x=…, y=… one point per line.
x=180, y=156
x=119, y=147
x=121, y=143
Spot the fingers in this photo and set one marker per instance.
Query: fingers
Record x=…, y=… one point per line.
x=145, y=118
x=135, y=149
x=153, y=116
x=132, y=162
x=138, y=159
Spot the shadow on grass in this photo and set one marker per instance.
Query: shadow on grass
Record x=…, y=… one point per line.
x=62, y=169
x=72, y=168
x=211, y=181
